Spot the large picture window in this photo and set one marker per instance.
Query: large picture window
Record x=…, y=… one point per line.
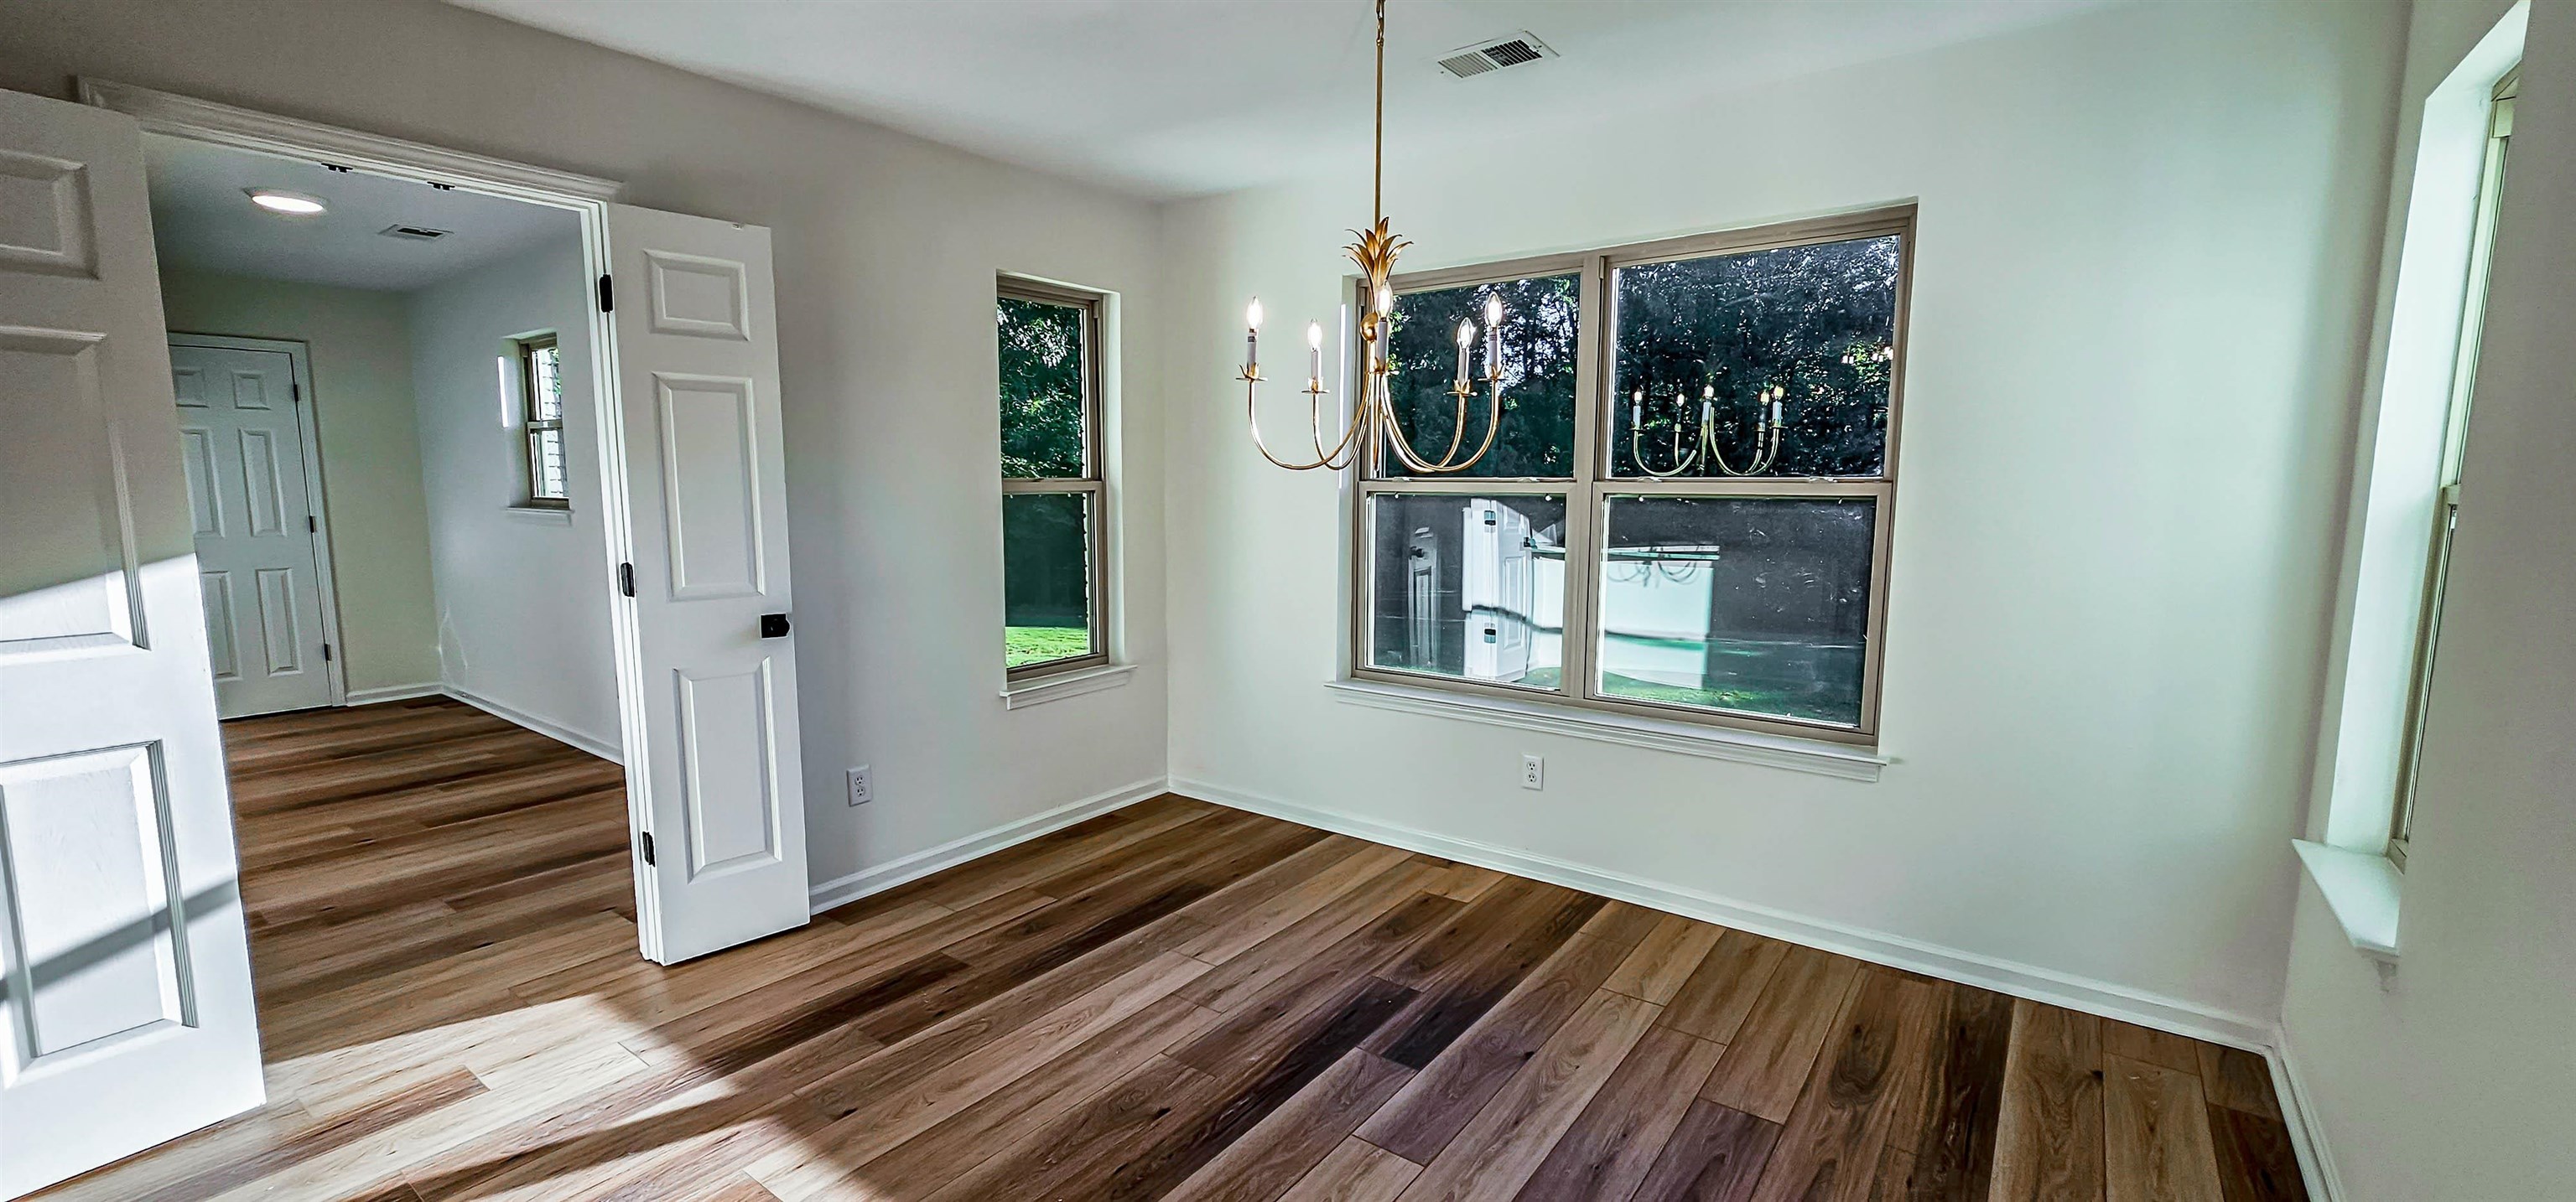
x=1053, y=580
x=1686, y=511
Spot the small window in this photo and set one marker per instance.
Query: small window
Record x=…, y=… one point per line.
x=541, y=422
x=1698, y=528
x=1053, y=489
x=2453, y=451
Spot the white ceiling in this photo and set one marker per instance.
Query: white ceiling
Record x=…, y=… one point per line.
x=202, y=218
x=1168, y=98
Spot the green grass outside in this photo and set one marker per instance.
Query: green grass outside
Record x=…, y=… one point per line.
x=1038, y=644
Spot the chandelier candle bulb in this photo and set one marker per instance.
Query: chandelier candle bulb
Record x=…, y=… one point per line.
x=1252, y=340
x=1466, y=338
x=1493, y=336
x=1314, y=356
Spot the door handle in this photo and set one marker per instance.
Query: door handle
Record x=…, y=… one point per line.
x=773, y=626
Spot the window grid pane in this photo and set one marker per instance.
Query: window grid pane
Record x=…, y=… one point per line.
x=1755, y=605
x=1046, y=578
x=1469, y=587
x=1045, y=389
x=1541, y=317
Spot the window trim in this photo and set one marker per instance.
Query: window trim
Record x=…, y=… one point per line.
x=1586, y=494
x=530, y=425
x=1092, y=484
x=2452, y=453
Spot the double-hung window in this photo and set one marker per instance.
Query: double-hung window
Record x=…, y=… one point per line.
x=541, y=422
x=1686, y=511
x=1053, y=577
x=2455, y=433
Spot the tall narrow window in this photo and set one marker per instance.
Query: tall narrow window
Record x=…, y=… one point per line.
x=1685, y=512
x=1053, y=573
x=541, y=423
x=2455, y=434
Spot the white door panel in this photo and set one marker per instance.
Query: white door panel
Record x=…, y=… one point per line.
x=125, y=1002
x=250, y=503
x=720, y=783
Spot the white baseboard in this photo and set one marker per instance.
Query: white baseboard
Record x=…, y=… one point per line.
x=844, y=890
x=2307, y=1126
x=1877, y=947
x=392, y=692
x=605, y=749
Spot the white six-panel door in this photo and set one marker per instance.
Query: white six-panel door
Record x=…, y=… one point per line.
x=241, y=441
x=125, y=1000
x=697, y=387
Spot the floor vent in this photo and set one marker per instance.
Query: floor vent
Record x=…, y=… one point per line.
x=1495, y=55
x=413, y=233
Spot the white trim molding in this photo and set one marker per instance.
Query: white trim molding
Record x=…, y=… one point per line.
x=1878, y=947
x=2307, y=1125
x=560, y=733
x=1686, y=738
x=393, y=692
x=2362, y=891
x=841, y=891
x=1071, y=684
x=267, y=133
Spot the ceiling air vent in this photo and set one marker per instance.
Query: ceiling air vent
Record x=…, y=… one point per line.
x=1495, y=55
x=413, y=233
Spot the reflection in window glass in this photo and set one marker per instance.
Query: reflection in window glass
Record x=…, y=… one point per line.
x=1470, y=587
x=1756, y=605
x=1046, y=577
x=545, y=390
x=1817, y=322
x=1042, y=389
x=1537, y=433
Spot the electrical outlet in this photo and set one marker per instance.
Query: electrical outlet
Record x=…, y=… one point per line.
x=861, y=792
x=1533, y=772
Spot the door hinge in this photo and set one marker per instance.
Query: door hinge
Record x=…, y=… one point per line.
x=311, y=526
x=626, y=579
x=295, y=391
x=648, y=847
x=607, y=296
x=326, y=653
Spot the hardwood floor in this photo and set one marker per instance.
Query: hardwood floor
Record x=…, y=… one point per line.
x=1173, y=1000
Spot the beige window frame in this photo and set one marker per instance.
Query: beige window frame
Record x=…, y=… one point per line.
x=2455, y=434
x=1092, y=484
x=1587, y=494
x=533, y=426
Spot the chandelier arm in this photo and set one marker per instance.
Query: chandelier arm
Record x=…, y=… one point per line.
x=1252, y=421
x=1450, y=463
x=1637, y=455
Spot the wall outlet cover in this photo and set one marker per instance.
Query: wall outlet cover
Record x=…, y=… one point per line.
x=1533, y=772
x=861, y=791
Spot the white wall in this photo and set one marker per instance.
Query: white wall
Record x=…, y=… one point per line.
x=2455, y=1082
x=887, y=248
x=359, y=343
x=2143, y=279
x=523, y=594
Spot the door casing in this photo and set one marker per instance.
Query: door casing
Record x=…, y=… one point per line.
x=588, y=198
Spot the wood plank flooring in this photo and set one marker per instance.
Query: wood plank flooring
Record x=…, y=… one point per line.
x=1175, y=1000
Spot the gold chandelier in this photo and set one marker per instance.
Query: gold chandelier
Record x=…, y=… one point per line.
x=1374, y=429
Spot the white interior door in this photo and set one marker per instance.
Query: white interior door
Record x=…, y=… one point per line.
x=241, y=439
x=719, y=784
x=124, y=973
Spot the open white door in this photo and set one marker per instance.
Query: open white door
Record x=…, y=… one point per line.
x=718, y=783
x=124, y=972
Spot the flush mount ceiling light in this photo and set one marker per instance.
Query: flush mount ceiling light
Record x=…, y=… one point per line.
x=293, y=204
x=1374, y=428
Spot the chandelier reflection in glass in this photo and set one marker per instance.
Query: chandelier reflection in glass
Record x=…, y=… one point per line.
x=1374, y=428
x=1703, y=441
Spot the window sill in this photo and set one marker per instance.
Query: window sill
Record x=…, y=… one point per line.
x=1071, y=684
x=1687, y=738
x=2362, y=890
x=540, y=513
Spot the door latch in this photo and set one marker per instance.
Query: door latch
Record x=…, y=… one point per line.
x=773, y=626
